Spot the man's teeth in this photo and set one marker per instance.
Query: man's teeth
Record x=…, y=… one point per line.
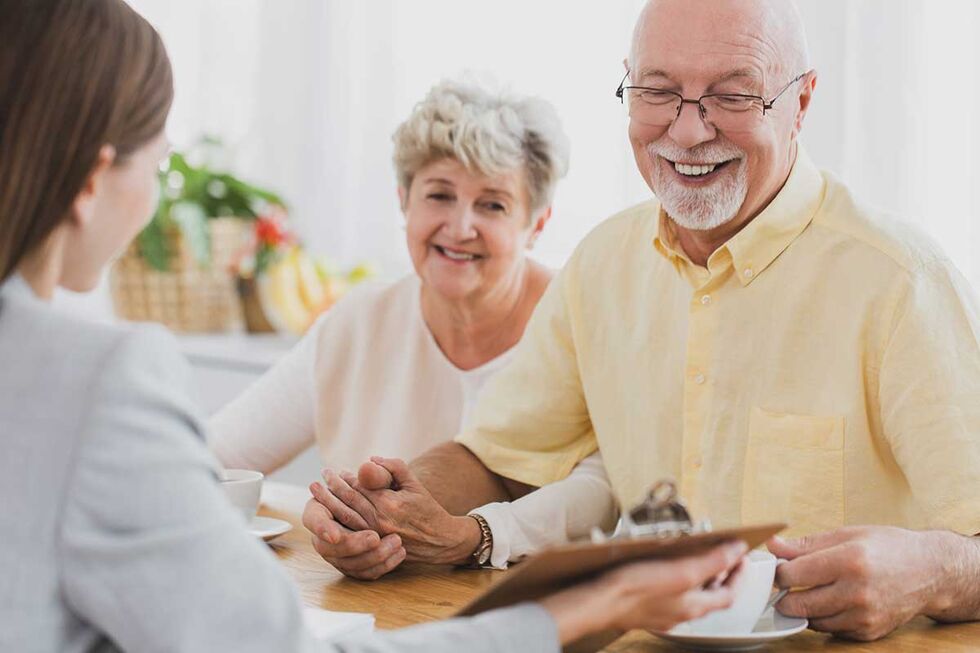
x=458, y=256
x=694, y=171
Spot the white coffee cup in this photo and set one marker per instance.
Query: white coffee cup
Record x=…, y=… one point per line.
x=752, y=592
x=243, y=487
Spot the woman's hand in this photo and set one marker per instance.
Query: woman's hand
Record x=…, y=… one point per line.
x=362, y=554
x=385, y=499
x=654, y=594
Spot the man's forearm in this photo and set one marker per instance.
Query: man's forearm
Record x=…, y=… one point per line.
x=959, y=598
x=460, y=482
x=457, y=479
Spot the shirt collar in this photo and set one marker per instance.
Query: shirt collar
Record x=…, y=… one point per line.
x=763, y=239
x=664, y=239
x=665, y=242
x=16, y=286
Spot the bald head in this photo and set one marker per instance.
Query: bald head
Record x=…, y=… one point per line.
x=769, y=30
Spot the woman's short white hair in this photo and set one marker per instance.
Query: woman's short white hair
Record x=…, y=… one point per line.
x=490, y=132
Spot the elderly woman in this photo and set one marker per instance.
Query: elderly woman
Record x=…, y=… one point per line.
x=392, y=369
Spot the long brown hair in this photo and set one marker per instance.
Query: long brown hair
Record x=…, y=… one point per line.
x=74, y=75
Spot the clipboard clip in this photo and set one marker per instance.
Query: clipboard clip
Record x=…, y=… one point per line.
x=662, y=514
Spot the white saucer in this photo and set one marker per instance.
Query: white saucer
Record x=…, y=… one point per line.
x=771, y=626
x=268, y=528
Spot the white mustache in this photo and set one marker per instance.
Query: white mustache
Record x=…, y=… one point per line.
x=705, y=153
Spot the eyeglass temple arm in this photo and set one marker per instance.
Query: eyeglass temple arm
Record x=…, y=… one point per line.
x=619, y=90
x=768, y=105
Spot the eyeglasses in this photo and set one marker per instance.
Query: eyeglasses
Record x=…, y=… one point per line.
x=730, y=112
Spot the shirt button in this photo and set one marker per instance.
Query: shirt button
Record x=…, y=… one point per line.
x=696, y=463
x=705, y=299
x=699, y=379
x=748, y=273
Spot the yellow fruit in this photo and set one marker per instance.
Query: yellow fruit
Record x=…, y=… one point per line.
x=281, y=297
x=310, y=286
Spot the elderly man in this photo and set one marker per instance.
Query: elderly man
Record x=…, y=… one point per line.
x=782, y=350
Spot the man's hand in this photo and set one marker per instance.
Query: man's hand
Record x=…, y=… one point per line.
x=387, y=498
x=864, y=582
x=360, y=554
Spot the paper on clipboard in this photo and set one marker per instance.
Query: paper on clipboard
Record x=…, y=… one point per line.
x=558, y=567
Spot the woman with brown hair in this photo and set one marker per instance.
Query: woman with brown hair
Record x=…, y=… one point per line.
x=116, y=534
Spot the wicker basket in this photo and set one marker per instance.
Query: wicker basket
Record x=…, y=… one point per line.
x=187, y=297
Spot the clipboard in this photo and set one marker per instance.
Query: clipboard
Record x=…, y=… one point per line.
x=559, y=567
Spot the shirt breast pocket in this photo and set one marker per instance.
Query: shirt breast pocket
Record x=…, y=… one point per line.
x=794, y=471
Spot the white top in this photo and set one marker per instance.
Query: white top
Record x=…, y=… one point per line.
x=369, y=379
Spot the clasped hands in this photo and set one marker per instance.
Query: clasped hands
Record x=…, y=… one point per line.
x=367, y=524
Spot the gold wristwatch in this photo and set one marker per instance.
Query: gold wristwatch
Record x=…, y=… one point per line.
x=481, y=556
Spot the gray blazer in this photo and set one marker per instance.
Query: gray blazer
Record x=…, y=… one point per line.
x=115, y=532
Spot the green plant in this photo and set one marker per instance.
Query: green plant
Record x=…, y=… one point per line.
x=190, y=195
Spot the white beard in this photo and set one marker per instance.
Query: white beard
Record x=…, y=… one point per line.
x=699, y=209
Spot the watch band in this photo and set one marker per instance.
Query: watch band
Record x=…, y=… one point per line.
x=481, y=556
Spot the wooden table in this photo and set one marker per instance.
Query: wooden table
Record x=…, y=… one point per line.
x=419, y=593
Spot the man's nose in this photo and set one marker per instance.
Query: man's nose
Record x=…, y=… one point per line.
x=689, y=129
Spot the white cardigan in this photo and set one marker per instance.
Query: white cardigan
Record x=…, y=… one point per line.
x=367, y=379
x=370, y=379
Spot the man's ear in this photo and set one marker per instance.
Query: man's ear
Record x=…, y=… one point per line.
x=806, y=96
x=83, y=208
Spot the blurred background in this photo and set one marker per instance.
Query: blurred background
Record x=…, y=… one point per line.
x=304, y=95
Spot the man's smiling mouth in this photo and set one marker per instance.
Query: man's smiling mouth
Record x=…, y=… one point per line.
x=697, y=169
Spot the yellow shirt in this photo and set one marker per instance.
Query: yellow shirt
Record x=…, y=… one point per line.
x=823, y=370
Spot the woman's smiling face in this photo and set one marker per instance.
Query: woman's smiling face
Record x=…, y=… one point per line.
x=467, y=233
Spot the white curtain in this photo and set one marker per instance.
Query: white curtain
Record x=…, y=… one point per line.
x=896, y=113
x=308, y=92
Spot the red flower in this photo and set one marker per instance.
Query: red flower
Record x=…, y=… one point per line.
x=269, y=230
